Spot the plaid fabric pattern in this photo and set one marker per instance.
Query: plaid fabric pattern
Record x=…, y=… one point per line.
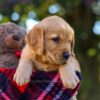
x=43, y=86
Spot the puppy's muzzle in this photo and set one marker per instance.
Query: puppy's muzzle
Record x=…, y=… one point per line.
x=65, y=55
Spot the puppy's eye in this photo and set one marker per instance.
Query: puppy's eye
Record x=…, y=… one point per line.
x=56, y=39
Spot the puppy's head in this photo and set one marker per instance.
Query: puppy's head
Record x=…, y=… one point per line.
x=52, y=40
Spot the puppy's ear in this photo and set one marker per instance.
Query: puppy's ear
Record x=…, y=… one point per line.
x=35, y=39
x=30, y=37
x=72, y=45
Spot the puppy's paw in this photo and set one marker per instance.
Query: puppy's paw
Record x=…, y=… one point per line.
x=70, y=81
x=22, y=75
x=21, y=78
x=69, y=77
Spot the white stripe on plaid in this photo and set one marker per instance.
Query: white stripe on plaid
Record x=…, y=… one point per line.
x=49, y=87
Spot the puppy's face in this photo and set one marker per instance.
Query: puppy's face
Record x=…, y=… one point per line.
x=52, y=40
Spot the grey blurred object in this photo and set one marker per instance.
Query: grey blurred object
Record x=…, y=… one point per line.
x=12, y=40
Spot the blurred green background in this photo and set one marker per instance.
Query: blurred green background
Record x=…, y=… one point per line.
x=82, y=15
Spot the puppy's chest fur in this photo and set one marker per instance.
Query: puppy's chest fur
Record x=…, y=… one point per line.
x=38, y=64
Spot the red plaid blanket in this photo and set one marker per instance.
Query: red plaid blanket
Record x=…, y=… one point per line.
x=43, y=86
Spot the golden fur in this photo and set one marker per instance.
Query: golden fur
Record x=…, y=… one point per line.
x=45, y=46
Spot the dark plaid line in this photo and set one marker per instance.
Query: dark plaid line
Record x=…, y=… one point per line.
x=33, y=91
x=55, y=90
x=24, y=96
x=51, y=74
x=41, y=79
x=66, y=94
x=4, y=84
x=4, y=81
x=12, y=92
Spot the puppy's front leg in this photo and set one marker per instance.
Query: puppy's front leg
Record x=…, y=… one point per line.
x=23, y=72
x=68, y=75
x=25, y=67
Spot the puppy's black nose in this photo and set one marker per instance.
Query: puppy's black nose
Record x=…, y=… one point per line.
x=15, y=37
x=66, y=55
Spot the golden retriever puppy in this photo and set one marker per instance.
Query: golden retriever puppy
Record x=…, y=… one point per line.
x=49, y=47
